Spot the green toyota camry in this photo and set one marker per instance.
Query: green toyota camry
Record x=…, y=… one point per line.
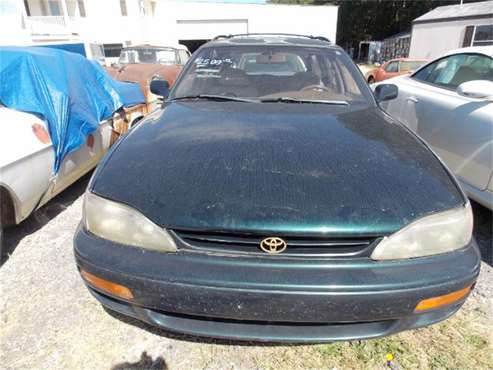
x=272, y=199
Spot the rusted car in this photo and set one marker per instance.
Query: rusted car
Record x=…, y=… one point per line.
x=393, y=68
x=144, y=63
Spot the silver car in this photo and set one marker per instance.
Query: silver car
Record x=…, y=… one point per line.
x=449, y=104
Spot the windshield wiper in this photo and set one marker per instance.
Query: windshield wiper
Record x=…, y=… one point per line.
x=287, y=99
x=214, y=97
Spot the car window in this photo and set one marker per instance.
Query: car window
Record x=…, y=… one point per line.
x=267, y=71
x=140, y=55
x=483, y=35
x=451, y=71
x=281, y=64
x=411, y=65
x=184, y=56
x=97, y=52
x=392, y=67
x=166, y=56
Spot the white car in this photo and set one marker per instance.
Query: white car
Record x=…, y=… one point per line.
x=27, y=179
x=449, y=104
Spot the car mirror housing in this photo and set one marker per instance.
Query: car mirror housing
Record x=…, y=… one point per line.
x=160, y=87
x=386, y=92
x=479, y=89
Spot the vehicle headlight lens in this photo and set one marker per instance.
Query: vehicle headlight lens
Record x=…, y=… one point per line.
x=434, y=234
x=124, y=225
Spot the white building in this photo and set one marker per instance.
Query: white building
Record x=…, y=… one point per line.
x=450, y=27
x=160, y=22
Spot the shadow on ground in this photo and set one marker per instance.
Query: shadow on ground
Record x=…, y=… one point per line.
x=13, y=235
x=145, y=363
x=483, y=231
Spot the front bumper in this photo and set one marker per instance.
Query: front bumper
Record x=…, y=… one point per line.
x=274, y=298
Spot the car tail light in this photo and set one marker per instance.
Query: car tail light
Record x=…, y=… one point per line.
x=106, y=285
x=443, y=300
x=41, y=133
x=90, y=141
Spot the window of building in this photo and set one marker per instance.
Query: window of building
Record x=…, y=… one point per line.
x=123, y=7
x=483, y=35
x=54, y=7
x=26, y=6
x=82, y=8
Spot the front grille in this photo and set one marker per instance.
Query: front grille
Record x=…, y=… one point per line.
x=238, y=243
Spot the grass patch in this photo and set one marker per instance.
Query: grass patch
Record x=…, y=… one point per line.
x=462, y=342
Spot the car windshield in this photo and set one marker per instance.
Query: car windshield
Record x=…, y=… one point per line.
x=411, y=65
x=266, y=72
x=141, y=55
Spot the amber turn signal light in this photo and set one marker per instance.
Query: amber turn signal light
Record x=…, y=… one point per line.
x=442, y=300
x=107, y=286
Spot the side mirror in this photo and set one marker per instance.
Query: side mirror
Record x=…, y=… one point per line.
x=160, y=87
x=386, y=92
x=479, y=89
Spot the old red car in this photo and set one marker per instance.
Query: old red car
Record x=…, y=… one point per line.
x=144, y=63
x=392, y=68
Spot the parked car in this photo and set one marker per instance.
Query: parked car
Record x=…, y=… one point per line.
x=56, y=129
x=144, y=63
x=449, y=103
x=276, y=206
x=27, y=160
x=393, y=68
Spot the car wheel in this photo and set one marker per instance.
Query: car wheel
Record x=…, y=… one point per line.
x=371, y=80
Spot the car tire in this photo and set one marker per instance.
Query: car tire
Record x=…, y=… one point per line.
x=371, y=80
x=7, y=210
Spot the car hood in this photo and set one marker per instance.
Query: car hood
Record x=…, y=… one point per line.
x=274, y=167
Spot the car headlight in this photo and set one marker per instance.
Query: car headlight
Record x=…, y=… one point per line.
x=124, y=225
x=437, y=233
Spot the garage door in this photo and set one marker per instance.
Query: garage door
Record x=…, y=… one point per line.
x=209, y=28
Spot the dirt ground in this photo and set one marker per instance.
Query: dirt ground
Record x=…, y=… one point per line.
x=48, y=320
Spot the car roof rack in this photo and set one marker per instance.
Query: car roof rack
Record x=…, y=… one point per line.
x=320, y=38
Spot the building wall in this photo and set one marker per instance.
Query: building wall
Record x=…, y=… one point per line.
x=188, y=20
x=172, y=21
x=430, y=40
x=105, y=24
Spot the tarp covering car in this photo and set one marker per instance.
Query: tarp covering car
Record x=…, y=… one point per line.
x=72, y=94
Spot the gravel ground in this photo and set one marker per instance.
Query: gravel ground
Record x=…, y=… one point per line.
x=48, y=320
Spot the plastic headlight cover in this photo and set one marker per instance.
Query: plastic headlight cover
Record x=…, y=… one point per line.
x=124, y=225
x=434, y=234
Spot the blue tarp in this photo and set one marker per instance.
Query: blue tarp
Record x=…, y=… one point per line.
x=72, y=94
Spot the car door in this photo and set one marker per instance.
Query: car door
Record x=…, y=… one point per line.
x=458, y=128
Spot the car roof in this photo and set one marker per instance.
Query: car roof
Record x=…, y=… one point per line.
x=407, y=60
x=271, y=39
x=147, y=46
x=485, y=50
